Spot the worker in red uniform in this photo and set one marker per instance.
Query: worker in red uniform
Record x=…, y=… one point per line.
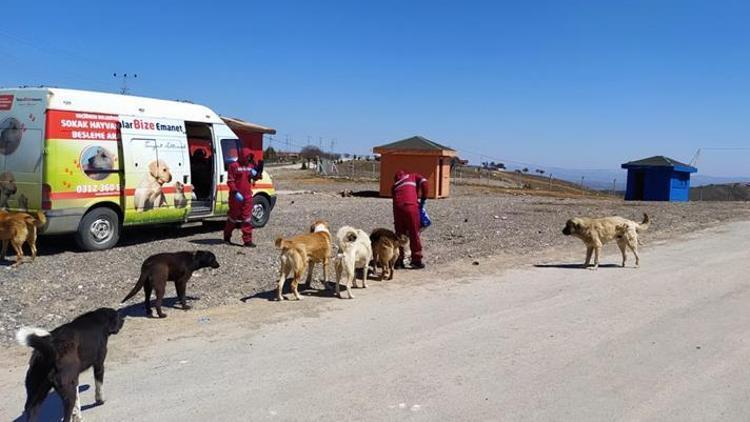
x=409, y=194
x=241, y=174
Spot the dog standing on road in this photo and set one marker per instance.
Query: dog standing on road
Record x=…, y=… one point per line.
x=60, y=356
x=157, y=269
x=595, y=232
x=355, y=251
x=317, y=247
x=17, y=228
x=292, y=263
x=385, y=249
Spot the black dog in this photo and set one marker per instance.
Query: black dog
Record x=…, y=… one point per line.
x=178, y=267
x=60, y=356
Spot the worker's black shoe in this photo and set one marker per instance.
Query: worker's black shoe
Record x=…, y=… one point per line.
x=250, y=245
x=417, y=265
x=399, y=265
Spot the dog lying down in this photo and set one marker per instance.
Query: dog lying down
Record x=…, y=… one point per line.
x=595, y=232
x=61, y=355
x=354, y=252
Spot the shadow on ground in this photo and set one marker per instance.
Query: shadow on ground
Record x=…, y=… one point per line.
x=52, y=407
x=136, y=310
x=573, y=266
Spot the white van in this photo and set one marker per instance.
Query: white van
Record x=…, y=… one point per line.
x=95, y=162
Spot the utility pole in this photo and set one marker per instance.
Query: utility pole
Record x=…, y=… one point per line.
x=124, y=87
x=614, y=186
x=582, y=177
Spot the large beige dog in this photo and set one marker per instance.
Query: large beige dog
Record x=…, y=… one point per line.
x=595, y=232
x=354, y=251
x=149, y=193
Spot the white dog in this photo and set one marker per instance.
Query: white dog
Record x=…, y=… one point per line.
x=149, y=193
x=354, y=251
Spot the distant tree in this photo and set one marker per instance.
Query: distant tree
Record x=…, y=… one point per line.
x=540, y=171
x=525, y=170
x=270, y=154
x=347, y=155
x=501, y=166
x=518, y=171
x=310, y=153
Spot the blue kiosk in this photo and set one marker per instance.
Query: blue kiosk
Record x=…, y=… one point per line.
x=658, y=178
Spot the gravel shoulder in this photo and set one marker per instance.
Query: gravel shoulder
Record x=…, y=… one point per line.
x=475, y=223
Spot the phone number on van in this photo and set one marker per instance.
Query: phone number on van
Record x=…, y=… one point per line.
x=106, y=188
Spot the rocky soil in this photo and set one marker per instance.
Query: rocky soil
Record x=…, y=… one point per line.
x=475, y=222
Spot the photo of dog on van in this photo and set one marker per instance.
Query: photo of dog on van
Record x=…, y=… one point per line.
x=150, y=194
x=97, y=162
x=11, y=131
x=7, y=188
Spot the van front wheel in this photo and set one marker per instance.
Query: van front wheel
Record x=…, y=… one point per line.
x=99, y=229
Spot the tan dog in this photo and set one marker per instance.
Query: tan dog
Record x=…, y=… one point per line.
x=355, y=251
x=149, y=193
x=292, y=262
x=17, y=228
x=595, y=232
x=385, y=247
x=317, y=248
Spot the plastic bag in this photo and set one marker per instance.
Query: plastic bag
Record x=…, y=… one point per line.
x=424, y=219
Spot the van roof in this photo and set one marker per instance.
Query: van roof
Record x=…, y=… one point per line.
x=129, y=105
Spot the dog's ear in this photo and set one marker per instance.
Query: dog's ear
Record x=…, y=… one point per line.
x=153, y=168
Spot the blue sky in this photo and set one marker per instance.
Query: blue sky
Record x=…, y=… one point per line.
x=576, y=84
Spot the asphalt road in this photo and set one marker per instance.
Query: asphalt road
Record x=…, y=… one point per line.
x=668, y=341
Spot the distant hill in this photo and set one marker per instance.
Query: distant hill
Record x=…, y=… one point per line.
x=602, y=179
x=723, y=192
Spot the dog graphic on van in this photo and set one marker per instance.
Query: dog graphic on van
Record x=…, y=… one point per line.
x=7, y=188
x=98, y=165
x=150, y=194
x=180, y=200
x=11, y=131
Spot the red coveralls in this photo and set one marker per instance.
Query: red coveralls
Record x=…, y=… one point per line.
x=239, y=179
x=406, y=210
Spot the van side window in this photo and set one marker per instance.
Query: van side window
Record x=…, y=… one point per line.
x=230, y=151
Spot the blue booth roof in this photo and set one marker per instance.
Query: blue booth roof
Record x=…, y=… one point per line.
x=660, y=161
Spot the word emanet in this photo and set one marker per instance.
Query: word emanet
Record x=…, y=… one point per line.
x=138, y=124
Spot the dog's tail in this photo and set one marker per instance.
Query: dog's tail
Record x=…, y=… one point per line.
x=38, y=339
x=39, y=219
x=138, y=286
x=644, y=225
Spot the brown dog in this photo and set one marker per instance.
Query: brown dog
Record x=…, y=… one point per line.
x=385, y=249
x=157, y=269
x=317, y=247
x=17, y=228
x=292, y=262
x=595, y=232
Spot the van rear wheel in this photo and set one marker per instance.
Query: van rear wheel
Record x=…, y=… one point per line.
x=261, y=211
x=99, y=229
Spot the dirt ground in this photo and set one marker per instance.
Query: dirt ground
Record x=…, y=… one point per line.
x=475, y=223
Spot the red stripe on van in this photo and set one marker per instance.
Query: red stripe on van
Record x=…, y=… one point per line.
x=128, y=192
